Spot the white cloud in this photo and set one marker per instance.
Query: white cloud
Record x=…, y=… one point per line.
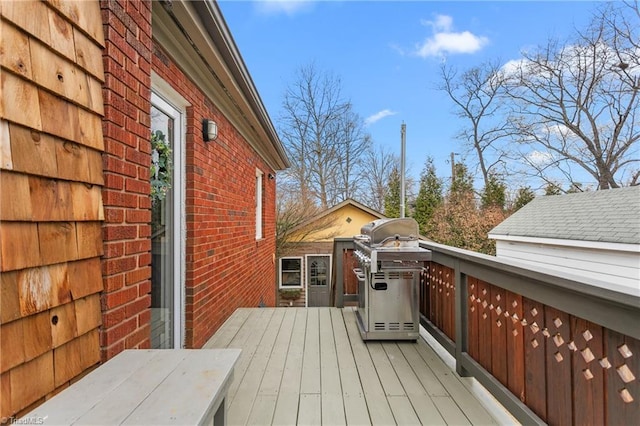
x=540, y=158
x=287, y=7
x=441, y=23
x=378, y=116
x=446, y=41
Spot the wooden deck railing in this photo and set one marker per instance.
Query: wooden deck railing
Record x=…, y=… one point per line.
x=550, y=348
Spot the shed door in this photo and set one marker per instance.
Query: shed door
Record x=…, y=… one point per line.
x=318, y=280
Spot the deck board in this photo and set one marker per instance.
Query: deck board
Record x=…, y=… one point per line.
x=241, y=406
x=286, y=411
x=355, y=406
x=332, y=401
x=310, y=366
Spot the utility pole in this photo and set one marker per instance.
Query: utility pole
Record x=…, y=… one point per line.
x=403, y=135
x=453, y=167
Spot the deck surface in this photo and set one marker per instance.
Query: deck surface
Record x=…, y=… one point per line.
x=309, y=366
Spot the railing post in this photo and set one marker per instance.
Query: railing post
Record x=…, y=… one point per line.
x=461, y=319
x=338, y=257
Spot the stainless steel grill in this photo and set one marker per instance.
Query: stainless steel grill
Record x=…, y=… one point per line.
x=390, y=261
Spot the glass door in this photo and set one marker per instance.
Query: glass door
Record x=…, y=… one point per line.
x=166, y=303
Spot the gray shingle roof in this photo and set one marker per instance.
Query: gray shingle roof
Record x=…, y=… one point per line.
x=611, y=215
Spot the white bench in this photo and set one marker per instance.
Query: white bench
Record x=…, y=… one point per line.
x=147, y=387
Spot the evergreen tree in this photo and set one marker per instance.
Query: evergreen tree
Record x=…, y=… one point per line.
x=392, y=198
x=462, y=181
x=494, y=194
x=523, y=197
x=429, y=198
x=552, y=188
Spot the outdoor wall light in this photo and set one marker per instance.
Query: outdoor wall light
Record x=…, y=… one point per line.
x=209, y=130
x=271, y=176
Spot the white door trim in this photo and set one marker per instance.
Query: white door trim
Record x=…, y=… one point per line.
x=174, y=105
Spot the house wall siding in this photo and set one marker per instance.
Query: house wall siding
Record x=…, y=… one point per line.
x=226, y=267
x=619, y=270
x=127, y=95
x=50, y=197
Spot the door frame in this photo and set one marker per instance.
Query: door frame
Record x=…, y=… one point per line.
x=169, y=101
x=306, y=275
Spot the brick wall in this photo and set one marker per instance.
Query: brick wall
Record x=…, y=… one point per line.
x=226, y=267
x=126, y=125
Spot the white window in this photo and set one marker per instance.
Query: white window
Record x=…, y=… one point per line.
x=258, y=204
x=291, y=272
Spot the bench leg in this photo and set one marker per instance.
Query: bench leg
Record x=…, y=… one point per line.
x=219, y=419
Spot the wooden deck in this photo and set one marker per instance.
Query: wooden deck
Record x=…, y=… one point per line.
x=310, y=366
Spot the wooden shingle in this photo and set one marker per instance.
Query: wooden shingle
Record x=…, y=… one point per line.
x=15, y=55
x=19, y=245
x=33, y=152
x=37, y=335
x=13, y=184
x=31, y=381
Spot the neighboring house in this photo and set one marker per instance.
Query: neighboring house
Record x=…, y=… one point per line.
x=306, y=266
x=90, y=265
x=594, y=234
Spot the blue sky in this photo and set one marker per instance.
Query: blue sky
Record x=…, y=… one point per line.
x=388, y=54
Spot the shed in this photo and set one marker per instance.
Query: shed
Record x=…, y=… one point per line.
x=594, y=234
x=306, y=266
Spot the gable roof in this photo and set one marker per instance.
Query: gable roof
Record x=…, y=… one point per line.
x=331, y=210
x=348, y=201
x=611, y=216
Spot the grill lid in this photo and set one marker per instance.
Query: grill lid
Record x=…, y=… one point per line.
x=383, y=231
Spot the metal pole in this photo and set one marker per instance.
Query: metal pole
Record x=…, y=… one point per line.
x=403, y=134
x=453, y=168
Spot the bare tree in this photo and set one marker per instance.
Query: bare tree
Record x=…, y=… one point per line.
x=576, y=105
x=380, y=163
x=323, y=136
x=353, y=143
x=475, y=94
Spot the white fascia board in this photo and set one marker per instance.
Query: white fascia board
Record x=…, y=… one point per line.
x=601, y=245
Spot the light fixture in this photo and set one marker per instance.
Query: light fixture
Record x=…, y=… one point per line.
x=271, y=176
x=209, y=130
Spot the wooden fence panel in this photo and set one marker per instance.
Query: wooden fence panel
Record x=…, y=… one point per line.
x=588, y=375
x=424, y=290
x=484, y=325
x=515, y=345
x=557, y=334
x=473, y=339
x=349, y=279
x=450, y=297
x=433, y=290
x=498, y=335
x=622, y=365
x=534, y=362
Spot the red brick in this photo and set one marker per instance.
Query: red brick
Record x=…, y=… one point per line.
x=135, y=339
x=113, y=317
x=138, y=275
x=120, y=297
x=144, y=259
x=117, y=265
x=138, y=306
x=113, y=282
x=113, y=249
x=120, y=232
x=138, y=216
x=139, y=186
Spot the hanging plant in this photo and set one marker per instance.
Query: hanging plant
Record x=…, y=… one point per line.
x=161, y=166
